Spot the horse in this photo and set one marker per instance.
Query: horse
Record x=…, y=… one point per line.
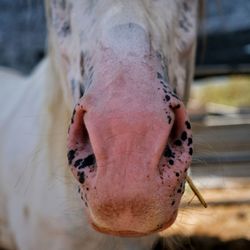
x=96, y=142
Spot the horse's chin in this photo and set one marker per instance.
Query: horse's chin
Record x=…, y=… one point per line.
x=130, y=233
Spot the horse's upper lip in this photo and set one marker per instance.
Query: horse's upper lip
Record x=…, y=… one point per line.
x=134, y=233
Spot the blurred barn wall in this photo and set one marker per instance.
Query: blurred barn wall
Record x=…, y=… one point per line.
x=22, y=34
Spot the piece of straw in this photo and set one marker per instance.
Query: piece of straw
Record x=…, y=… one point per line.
x=196, y=192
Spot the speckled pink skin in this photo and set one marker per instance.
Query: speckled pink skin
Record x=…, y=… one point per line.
x=141, y=140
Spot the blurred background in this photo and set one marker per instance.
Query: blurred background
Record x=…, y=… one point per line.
x=219, y=108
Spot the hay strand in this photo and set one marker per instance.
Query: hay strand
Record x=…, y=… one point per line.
x=196, y=192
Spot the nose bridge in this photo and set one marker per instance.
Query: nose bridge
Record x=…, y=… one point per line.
x=127, y=37
x=131, y=136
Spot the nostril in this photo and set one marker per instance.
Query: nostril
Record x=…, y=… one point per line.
x=80, y=154
x=181, y=129
x=178, y=150
x=78, y=134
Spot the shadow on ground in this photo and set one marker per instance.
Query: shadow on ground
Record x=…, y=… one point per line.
x=178, y=242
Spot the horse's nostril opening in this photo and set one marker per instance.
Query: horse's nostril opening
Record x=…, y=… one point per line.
x=78, y=133
x=80, y=155
x=179, y=122
x=179, y=144
x=85, y=135
x=174, y=132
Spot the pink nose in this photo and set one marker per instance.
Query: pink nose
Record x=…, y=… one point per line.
x=132, y=166
x=130, y=146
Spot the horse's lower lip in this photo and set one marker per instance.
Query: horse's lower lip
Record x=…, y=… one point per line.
x=134, y=233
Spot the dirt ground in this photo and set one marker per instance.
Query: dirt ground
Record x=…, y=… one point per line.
x=223, y=225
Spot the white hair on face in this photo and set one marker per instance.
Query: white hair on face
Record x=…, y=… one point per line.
x=179, y=58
